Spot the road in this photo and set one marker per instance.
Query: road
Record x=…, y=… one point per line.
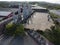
x=39, y=21
x=5, y=40
x=11, y=40
x=29, y=41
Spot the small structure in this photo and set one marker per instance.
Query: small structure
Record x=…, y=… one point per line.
x=5, y=15
x=8, y=12
x=39, y=8
x=14, y=10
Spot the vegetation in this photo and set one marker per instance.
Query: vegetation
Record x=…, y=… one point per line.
x=43, y=4
x=10, y=28
x=4, y=4
x=19, y=30
x=52, y=34
x=47, y=5
x=13, y=29
x=54, y=15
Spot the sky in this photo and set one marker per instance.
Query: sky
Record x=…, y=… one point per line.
x=51, y=1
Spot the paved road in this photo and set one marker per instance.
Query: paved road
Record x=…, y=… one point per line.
x=5, y=40
x=10, y=40
x=40, y=21
x=17, y=41
x=29, y=41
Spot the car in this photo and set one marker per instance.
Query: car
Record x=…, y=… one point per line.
x=30, y=31
x=33, y=33
x=42, y=41
x=36, y=35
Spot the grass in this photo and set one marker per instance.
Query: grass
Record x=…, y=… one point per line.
x=54, y=15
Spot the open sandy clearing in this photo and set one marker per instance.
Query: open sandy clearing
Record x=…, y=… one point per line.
x=40, y=21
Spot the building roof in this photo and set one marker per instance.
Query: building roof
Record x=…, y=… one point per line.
x=37, y=7
x=4, y=13
x=9, y=9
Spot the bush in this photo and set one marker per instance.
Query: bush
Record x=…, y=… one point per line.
x=53, y=35
x=40, y=31
x=13, y=29
x=10, y=29
x=19, y=30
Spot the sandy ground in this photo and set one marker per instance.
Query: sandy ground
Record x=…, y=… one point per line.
x=39, y=21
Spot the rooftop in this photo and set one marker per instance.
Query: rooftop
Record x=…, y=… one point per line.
x=4, y=13
x=9, y=9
